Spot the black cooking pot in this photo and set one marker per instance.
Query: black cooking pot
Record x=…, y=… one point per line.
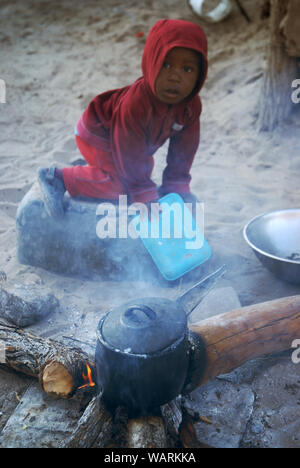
x=142, y=353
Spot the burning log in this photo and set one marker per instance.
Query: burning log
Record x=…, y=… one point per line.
x=63, y=375
x=187, y=433
x=229, y=340
x=94, y=428
x=146, y=432
x=60, y=369
x=220, y=344
x=172, y=415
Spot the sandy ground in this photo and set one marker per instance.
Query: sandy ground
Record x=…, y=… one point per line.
x=56, y=56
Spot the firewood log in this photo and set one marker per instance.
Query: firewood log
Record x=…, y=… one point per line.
x=59, y=368
x=146, y=432
x=229, y=340
x=187, y=433
x=172, y=415
x=93, y=429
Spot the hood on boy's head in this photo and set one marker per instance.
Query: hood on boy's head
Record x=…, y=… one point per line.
x=164, y=36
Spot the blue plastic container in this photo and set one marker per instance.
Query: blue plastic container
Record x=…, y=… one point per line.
x=173, y=238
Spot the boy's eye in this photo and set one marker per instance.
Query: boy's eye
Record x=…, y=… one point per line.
x=166, y=65
x=188, y=69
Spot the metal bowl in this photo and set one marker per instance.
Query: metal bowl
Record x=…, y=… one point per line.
x=275, y=239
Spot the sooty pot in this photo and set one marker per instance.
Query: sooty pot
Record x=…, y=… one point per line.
x=142, y=354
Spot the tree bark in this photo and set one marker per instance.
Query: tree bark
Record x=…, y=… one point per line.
x=275, y=102
x=94, y=428
x=59, y=368
x=235, y=337
x=146, y=432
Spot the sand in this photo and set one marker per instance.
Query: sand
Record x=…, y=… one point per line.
x=56, y=56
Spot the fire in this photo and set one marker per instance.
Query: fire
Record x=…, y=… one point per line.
x=87, y=378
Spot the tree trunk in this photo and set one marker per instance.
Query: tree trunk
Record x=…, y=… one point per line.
x=275, y=99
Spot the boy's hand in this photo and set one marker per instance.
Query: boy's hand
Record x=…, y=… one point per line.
x=188, y=197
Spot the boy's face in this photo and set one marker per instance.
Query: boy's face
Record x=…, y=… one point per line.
x=178, y=75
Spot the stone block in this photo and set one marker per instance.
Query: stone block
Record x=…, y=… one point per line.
x=71, y=246
x=40, y=421
x=225, y=410
x=25, y=305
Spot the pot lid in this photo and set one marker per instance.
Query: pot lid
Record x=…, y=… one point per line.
x=144, y=326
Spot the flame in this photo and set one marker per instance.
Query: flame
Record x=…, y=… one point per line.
x=87, y=377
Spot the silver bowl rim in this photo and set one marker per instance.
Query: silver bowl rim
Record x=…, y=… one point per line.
x=262, y=252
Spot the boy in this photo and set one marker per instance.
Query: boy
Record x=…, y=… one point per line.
x=121, y=129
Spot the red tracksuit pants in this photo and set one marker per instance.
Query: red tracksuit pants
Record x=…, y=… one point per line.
x=96, y=180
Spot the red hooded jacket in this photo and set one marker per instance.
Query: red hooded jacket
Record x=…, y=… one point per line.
x=131, y=123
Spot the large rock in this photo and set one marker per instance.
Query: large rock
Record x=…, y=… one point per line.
x=224, y=411
x=40, y=421
x=71, y=246
x=26, y=305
